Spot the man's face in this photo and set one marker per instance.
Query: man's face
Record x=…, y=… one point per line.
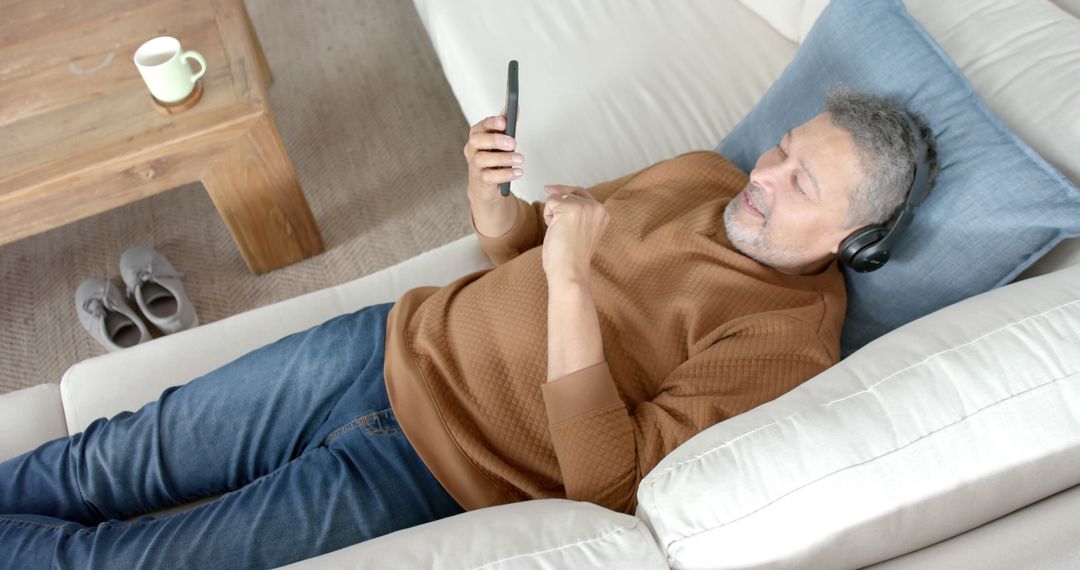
x=790, y=214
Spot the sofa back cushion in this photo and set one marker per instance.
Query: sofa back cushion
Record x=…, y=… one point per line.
x=998, y=206
x=606, y=89
x=1033, y=83
x=940, y=426
x=792, y=19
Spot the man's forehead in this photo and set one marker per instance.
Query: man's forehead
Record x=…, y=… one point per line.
x=819, y=120
x=827, y=152
x=816, y=185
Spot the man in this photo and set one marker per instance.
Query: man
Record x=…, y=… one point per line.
x=619, y=322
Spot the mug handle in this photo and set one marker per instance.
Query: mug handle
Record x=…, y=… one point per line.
x=197, y=57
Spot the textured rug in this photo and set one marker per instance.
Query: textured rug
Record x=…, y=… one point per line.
x=376, y=137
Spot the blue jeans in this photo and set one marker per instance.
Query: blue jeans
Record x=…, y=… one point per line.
x=297, y=435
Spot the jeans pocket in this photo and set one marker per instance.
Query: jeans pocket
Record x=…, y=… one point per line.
x=382, y=422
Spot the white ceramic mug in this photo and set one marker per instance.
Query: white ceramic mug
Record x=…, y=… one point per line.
x=164, y=68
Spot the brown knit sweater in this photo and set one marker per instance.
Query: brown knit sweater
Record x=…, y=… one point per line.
x=693, y=333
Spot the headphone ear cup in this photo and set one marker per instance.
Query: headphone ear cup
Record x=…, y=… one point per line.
x=855, y=252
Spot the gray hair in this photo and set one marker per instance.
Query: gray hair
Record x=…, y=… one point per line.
x=886, y=150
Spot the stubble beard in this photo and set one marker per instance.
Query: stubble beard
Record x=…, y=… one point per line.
x=749, y=242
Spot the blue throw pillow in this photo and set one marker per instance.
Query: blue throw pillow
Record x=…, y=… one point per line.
x=997, y=205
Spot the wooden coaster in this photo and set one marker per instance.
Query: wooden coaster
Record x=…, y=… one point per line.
x=181, y=105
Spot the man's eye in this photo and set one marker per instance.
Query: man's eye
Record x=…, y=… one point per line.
x=795, y=182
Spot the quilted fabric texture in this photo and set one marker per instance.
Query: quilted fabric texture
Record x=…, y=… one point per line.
x=693, y=333
x=997, y=206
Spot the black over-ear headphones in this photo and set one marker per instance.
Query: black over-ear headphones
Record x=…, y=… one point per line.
x=867, y=248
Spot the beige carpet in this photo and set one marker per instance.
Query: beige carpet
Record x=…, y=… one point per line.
x=376, y=136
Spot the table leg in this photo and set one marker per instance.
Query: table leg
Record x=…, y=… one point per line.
x=254, y=187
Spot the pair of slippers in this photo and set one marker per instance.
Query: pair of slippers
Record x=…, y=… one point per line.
x=152, y=284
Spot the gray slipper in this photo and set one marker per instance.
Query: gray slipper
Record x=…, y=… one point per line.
x=155, y=286
x=108, y=318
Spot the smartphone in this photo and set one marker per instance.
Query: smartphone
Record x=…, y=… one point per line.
x=511, y=110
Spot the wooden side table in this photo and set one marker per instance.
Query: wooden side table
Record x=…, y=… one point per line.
x=79, y=133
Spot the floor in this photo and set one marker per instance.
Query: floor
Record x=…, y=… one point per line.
x=376, y=136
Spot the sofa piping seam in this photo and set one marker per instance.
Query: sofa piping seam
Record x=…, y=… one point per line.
x=635, y=526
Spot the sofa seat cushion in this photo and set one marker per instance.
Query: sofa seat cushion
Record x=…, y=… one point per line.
x=544, y=534
x=942, y=425
x=1041, y=535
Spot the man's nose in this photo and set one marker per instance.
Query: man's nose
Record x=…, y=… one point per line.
x=766, y=177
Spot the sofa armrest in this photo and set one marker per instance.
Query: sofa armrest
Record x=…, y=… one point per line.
x=942, y=425
x=549, y=533
x=28, y=418
x=128, y=379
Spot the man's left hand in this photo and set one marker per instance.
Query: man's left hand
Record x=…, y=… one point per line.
x=575, y=223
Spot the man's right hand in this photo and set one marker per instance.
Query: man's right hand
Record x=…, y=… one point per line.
x=489, y=162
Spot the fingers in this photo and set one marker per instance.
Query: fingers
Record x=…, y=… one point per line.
x=572, y=190
x=491, y=141
x=481, y=141
x=486, y=159
x=496, y=123
x=500, y=175
x=565, y=199
x=555, y=202
x=560, y=188
x=488, y=134
x=489, y=152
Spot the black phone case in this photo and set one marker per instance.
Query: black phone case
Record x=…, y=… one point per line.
x=511, y=110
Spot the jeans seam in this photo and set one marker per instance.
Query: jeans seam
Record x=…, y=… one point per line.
x=364, y=420
x=138, y=523
x=342, y=430
x=5, y=520
x=186, y=500
x=373, y=419
x=156, y=519
x=82, y=494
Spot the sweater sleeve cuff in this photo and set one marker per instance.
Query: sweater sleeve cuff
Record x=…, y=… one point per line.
x=520, y=236
x=580, y=392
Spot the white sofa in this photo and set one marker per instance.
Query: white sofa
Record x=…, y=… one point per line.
x=609, y=91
